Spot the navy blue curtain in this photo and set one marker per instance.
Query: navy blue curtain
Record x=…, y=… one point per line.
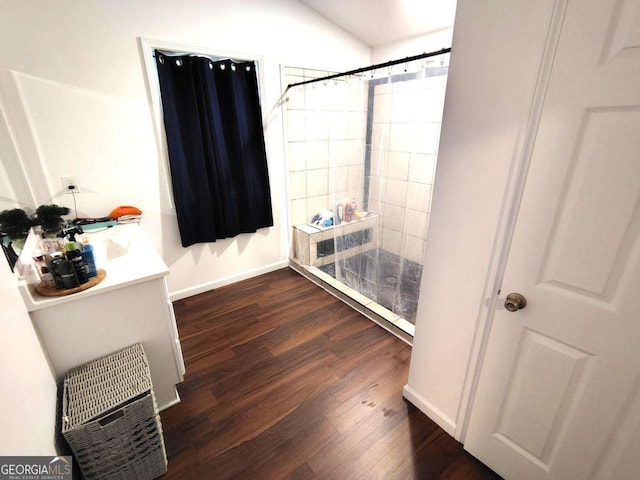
x=215, y=139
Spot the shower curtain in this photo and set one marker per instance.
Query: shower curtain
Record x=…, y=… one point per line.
x=373, y=143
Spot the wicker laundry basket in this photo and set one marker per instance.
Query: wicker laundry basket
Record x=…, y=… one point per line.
x=110, y=418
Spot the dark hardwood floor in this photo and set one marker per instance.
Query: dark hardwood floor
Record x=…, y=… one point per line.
x=285, y=381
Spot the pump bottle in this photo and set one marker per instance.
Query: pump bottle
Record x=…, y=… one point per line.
x=74, y=255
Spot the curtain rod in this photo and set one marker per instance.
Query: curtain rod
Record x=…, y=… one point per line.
x=373, y=67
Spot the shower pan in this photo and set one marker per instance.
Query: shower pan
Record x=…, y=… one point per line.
x=361, y=155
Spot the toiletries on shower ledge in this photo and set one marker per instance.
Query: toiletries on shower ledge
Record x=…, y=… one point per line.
x=345, y=210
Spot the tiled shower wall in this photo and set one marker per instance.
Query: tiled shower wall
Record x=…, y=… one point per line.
x=404, y=143
x=326, y=140
x=325, y=132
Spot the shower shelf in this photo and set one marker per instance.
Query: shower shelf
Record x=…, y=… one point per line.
x=357, y=237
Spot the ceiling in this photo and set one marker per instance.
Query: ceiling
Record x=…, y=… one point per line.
x=381, y=22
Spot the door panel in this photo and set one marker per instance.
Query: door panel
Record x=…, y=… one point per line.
x=591, y=206
x=559, y=375
x=624, y=31
x=545, y=382
x=621, y=459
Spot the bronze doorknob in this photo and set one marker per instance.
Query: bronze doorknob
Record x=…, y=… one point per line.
x=515, y=302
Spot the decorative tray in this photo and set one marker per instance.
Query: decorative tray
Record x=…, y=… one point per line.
x=47, y=291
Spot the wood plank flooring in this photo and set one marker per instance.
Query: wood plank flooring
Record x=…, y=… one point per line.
x=285, y=381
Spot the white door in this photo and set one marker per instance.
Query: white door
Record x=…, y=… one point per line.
x=558, y=394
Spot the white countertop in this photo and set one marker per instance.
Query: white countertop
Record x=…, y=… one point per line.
x=123, y=251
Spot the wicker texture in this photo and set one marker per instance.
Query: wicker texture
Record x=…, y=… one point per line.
x=110, y=418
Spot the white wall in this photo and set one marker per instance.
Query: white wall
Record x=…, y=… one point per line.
x=496, y=54
x=72, y=86
x=413, y=46
x=27, y=387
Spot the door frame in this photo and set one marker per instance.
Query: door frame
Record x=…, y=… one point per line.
x=514, y=189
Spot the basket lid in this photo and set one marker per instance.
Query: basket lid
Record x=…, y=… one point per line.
x=96, y=387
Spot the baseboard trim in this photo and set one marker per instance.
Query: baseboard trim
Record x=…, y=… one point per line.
x=176, y=400
x=221, y=282
x=429, y=410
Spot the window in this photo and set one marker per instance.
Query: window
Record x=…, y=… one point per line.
x=215, y=144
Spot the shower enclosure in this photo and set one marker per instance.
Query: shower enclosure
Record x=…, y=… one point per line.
x=361, y=155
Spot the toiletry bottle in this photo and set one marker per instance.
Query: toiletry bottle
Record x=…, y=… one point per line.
x=47, y=278
x=74, y=255
x=40, y=264
x=88, y=258
x=350, y=209
x=52, y=264
x=67, y=273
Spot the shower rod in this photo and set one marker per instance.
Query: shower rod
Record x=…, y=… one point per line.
x=373, y=67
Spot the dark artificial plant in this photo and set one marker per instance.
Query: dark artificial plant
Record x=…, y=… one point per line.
x=15, y=223
x=49, y=217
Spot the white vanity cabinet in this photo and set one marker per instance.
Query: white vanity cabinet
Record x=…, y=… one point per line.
x=130, y=305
